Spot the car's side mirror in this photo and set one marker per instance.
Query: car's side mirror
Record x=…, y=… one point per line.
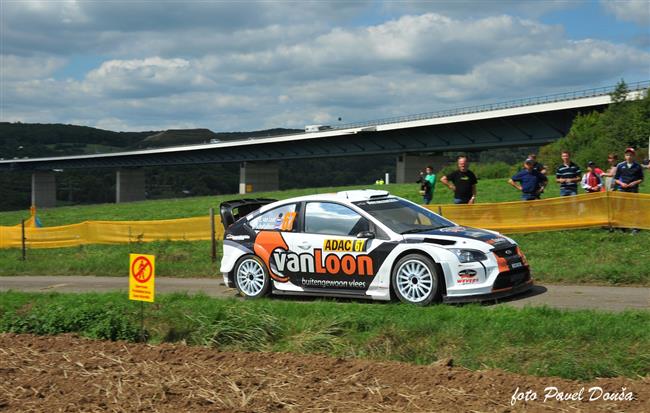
x=366, y=234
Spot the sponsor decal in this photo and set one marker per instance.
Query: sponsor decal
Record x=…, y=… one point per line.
x=496, y=241
x=329, y=264
x=452, y=229
x=467, y=277
x=283, y=221
x=383, y=201
x=344, y=245
x=265, y=243
x=238, y=237
x=321, y=283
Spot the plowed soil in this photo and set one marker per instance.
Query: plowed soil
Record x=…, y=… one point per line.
x=68, y=373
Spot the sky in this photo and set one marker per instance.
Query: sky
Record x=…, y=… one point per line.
x=250, y=65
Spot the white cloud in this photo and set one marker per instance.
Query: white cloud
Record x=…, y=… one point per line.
x=145, y=78
x=24, y=68
x=244, y=66
x=636, y=11
x=469, y=8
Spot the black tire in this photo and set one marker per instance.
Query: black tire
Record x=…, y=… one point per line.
x=415, y=280
x=251, y=277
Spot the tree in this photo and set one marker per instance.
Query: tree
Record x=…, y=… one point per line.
x=592, y=136
x=620, y=93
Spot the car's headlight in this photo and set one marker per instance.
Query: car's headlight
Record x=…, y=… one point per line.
x=468, y=255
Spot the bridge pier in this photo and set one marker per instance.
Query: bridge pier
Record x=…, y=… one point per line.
x=43, y=189
x=409, y=166
x=258, y=177
x=129, y=185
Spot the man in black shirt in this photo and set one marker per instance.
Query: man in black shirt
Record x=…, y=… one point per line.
x=629, y=174
x=568, y=175
x=462, y=182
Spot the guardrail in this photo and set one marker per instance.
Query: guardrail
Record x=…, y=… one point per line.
x=557, y=97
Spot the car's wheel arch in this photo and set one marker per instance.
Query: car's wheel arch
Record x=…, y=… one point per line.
x=436, y=263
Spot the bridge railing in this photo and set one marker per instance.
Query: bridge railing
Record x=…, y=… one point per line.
x=557, y=97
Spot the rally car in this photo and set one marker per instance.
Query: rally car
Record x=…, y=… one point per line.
x=366, y=244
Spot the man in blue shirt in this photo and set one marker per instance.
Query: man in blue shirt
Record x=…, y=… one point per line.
x=531, y=181
x=629, y=174
x=568, y=175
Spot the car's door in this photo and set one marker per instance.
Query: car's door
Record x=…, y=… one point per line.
x=330, y=252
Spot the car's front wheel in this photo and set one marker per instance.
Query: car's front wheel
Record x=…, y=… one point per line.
x=415, y=280
x=251, y=277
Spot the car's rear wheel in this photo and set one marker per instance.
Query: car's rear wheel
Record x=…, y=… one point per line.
x=415, y=280
x=251, y=277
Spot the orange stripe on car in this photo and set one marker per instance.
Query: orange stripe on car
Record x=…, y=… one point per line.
x=503, y=264
x=265, y=243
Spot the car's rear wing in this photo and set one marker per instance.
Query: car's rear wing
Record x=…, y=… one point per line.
x=232, y=210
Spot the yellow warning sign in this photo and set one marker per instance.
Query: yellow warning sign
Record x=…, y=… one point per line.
x=142, y=275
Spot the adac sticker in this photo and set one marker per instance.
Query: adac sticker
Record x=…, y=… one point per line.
x=344, y=245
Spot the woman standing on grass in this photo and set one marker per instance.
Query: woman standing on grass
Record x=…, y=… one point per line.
x=612, y=159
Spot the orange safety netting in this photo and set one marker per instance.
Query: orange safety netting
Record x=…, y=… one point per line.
x=110, y=232
x=616, y=209
x=623, y=210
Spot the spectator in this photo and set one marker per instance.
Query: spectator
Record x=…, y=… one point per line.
x=463, y=182
x=531, y=181
x=568, y=175
x=427, y=183
x=646, y=163
x=629, y=174
x=537, y=165
x=610, y=184
x=591, y=181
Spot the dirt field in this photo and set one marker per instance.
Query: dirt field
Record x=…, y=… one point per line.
x=68, y=373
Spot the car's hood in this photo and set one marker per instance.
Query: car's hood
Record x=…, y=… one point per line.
x=475, y=234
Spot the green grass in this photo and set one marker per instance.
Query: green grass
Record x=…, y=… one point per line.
x=539, y=341
x=489, y=190
x=173, y=259
x=591, y=256
x=579, y=256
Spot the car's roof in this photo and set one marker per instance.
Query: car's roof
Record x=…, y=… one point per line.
x=343, y=196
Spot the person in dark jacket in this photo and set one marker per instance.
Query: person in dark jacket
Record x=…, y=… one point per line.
x=529, y=181
x=629, y=174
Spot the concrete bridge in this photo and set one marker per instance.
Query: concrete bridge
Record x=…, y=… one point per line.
x=413, y=139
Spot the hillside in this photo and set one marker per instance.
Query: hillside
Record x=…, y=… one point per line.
x=41, y=139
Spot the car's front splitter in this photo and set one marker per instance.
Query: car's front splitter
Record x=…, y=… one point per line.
x=494, y=295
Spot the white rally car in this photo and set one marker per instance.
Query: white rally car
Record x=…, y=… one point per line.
x=365, y=244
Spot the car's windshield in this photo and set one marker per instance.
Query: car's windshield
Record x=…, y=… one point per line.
x=403, y=217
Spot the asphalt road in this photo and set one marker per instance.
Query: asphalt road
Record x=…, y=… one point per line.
x=559, y=296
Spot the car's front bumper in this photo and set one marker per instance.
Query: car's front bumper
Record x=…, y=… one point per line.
x=506, y=285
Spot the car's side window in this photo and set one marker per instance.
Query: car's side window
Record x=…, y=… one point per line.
x=280, y=218
x=333, y=219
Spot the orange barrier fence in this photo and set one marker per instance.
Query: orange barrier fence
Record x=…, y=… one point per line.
x=583, y=211
x=110, y=232
x=616, y=209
